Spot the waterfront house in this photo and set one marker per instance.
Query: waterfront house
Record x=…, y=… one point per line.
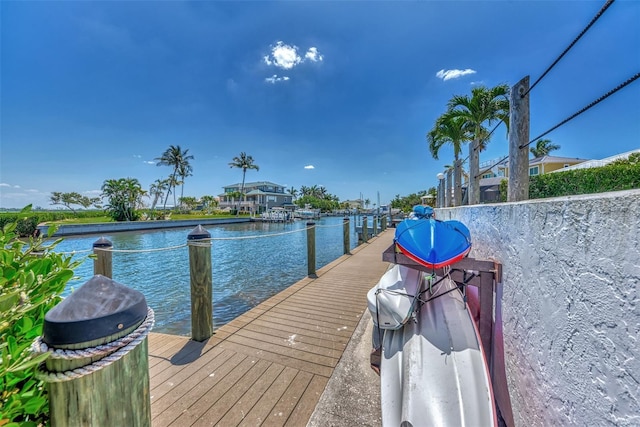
x=545, y=164
x=258, y=197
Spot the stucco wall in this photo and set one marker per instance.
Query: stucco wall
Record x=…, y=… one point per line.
x=570, y=306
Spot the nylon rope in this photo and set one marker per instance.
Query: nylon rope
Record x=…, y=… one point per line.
x=112, y=352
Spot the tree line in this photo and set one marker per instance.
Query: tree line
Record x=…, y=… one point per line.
x=123, y=198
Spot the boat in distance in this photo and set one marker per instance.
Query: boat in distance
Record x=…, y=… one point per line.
x=433, y=243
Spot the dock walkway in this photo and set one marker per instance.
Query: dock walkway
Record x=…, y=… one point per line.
x=269, y=366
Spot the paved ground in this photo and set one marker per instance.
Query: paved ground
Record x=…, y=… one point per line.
x=352, y=396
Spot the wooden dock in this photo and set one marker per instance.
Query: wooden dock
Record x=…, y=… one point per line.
x=269, y=366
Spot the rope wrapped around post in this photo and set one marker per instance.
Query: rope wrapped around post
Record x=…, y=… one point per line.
x=111, y=352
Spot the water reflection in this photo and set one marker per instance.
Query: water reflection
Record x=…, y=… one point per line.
x=245, y=271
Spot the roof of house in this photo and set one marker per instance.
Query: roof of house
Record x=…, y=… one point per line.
x=254, y=184
x=554, y=159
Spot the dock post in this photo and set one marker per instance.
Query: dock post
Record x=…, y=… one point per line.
x=311, y=249
x=345, y=235
x=103, y=264
x=375, y=225
x=519, y=122
x=97, y=372
x=384, y=222
x=365, y=230
x=201, y=283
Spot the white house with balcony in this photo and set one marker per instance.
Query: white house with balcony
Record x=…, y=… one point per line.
x=258, y=197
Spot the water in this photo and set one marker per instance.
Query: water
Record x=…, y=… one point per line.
x=245, y=271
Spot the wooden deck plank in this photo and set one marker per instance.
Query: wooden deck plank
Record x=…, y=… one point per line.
x=208, y=409
x=307, y=403
x=264, y=406
x=287, y=403
x=244, y=346
x=204, y=394
x=240, y=400
x=270, y=365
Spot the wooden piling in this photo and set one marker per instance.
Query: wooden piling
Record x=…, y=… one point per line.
x=448, y=191
x=311, y=249
x=201, y=284
x=518, y=188
x=457, y=183
x=103, y=263
x=474, y=171
x=98, y=391
x=375, y=225
x=346, y=235
x=365, y=230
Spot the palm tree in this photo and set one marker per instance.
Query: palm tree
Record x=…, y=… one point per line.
x=485, y=105
x=184, y=170
x=156, y=190
x=124, y=197
x=450, y=129
x=175, y=157
x=243, y=162
x=293, y=192
x=543, y=147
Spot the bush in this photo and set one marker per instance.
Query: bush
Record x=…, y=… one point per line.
x=27, y=221
x=616, y=176
x=32, y=277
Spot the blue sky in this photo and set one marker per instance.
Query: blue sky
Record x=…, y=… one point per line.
x=339, y=94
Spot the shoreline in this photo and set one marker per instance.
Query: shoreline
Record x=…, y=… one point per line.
x=117, y=227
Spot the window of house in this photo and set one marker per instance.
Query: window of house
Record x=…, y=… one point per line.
x=534, y=171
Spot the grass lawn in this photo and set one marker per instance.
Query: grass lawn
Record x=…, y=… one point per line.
x=102, y=219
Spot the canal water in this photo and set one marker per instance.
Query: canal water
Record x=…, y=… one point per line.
x=246, y=271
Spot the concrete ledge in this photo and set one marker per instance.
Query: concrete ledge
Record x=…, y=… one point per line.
x=116, y=227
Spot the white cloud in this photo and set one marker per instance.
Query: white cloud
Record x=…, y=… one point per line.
x=16, y=186
x=137, y=156
x=453, y=74
x=313, y=55
x=274, y=79
x=286, y=56
x=309, y=167
x=4, y=184
x=149, y=162
x=92, y=192
x=283, y=56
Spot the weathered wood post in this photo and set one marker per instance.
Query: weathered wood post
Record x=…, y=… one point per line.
x=457, y=183
x=346, y=236
x=103, y=264
x=365, y=230
x=201, y=283
x=311, y=249
x=375, y=225
x=384, y=222
x=99, y=375
x=440, y=200
x=518, y=188
x=449, y=189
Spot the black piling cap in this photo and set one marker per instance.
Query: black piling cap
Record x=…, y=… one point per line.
x=98, y=309
x=199, y=233
x=102, y=243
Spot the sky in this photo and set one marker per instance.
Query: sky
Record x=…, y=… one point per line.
x=337, y=94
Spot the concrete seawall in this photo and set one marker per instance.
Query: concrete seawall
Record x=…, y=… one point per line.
x=115, y=227
x=571, y=307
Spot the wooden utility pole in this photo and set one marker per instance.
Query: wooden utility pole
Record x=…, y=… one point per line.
x=518, y=188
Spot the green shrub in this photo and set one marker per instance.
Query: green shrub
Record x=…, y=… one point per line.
x=616, y=176
x=28, y=221
x=32, y=277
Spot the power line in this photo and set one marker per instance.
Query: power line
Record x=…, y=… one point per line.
x=573, y=116
x=582, y=33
